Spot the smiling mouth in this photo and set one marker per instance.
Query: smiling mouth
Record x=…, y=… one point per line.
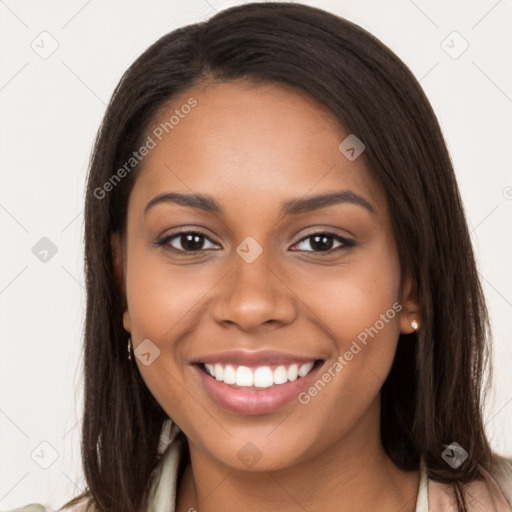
x=260, y=377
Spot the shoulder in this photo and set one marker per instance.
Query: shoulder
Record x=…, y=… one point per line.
x=493, y=493
x=501, y=471
x=33, y=507
x=38, y=507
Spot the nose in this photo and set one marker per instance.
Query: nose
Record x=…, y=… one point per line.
x=255, y=294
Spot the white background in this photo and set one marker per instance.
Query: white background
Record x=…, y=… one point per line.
x=50, y=110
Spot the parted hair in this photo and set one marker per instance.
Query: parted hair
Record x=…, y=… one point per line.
x=434, y=392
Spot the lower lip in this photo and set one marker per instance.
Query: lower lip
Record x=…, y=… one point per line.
x=254, y=401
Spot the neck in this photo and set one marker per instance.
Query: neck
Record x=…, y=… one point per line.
x=354, y=474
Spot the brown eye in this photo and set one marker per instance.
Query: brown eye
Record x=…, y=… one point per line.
x=186, y=241
x=323, y=242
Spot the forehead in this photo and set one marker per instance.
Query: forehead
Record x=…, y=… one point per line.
x=250, y=144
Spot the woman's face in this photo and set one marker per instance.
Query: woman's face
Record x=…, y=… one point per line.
x=262, y=290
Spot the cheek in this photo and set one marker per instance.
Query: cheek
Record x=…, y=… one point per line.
x=164, y=304
x=360, y=312
x=358, y=306
x=162, y=300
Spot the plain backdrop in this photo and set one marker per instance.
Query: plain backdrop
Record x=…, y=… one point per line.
x=60, y=62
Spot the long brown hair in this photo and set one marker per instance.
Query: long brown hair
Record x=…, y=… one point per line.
x=434, y=392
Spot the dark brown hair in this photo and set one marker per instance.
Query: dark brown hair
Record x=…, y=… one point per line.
x=433, y=394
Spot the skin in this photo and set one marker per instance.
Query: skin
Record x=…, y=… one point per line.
x=252, y=147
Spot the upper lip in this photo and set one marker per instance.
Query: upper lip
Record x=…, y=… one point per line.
x=253, y=358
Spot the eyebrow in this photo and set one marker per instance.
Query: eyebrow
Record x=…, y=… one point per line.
x=292, y=207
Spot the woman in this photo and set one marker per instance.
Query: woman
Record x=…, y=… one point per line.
x=274, y=230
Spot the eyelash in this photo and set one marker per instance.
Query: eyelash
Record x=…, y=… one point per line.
x=165, y=241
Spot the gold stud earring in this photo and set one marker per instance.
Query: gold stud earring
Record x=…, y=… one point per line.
x=415, y=325
x=129, y=347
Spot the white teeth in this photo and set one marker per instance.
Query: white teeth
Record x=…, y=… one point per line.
x=305, y=369
x=229, y=376
x=293, y=372
x=244, y=376
x=210, y=368
x=280, y=375
x=219, y=371
x=261, y=377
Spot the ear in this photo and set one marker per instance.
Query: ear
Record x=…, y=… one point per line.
x=118, y=264
x=411, y=308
